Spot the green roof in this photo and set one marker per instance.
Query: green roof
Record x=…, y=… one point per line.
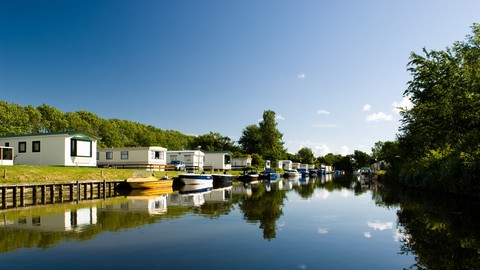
x=88, y=134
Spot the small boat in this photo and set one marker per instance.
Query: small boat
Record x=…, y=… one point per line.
x=304, y=173
x=291, y=174
x=148, y=182
x=269, y=174
x=249, y=175
x=195, y=179
x=223, y=178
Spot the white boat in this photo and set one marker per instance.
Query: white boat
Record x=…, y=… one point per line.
x=291, y=174
x=195, y=179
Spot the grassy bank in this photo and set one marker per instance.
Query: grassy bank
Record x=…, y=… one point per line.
x=20, y=174
x=23, y=174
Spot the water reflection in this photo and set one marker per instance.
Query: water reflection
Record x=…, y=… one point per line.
x=439, y=231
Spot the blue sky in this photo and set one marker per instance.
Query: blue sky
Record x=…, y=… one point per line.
x=332, y=71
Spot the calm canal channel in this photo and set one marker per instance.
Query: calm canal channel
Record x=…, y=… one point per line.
x=329, y=222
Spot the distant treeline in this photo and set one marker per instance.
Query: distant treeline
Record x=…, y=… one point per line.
x=16, y=119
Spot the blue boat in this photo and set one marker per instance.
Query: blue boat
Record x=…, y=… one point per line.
x=269, y=174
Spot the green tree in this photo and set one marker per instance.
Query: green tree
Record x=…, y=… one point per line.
x=272, y=144
x=439, y=139
x=361, y=159
x=52, y=119
x=251, y=139
x=306, y=155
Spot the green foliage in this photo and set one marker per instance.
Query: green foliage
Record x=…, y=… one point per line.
x=264, y=139
x=439, y=143
x=305, y=155
x=16, y=119
x=213, y=142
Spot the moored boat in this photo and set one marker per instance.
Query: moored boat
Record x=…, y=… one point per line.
x=269, y=174
x=195, y=179
x=248, y=175
x=222, y=178
x=291, y=174
x=148, y=182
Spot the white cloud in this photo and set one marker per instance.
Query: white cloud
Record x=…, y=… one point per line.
x=367, y=234
x=344, y=150
x=323, y=112
x=367, y=107
x=301, y=76
x=380, y=116
x=323, y=230
x=321, y=150
x=279, y=117
x=404, y=104
x=380, y=225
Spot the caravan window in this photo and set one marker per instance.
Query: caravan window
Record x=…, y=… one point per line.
x=36, y=146
x=157, y=155
x=124, y=155
x=108, y=155
x=80, y=148
x=7, y=153
x=22, y=147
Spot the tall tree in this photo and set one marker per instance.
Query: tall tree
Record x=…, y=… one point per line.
x=272, y=144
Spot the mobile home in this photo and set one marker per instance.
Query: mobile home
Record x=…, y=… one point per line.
x=193, y=159
x=149, y=158
x=218, y=160
x=285, y=165
x=54, y=149
x=6, y=155
x=241, y=162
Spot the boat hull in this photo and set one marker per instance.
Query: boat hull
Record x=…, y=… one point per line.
x=195, y=179
x=148, y=183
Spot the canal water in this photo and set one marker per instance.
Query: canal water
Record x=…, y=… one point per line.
x=330, y=222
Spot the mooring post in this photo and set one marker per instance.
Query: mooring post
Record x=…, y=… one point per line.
x=52, y=193
x=60, y=192
x=22, y=196
x=104, y=189
x=14, y=196
x=42, y=190
x=78, y=191
x=4, y=197
x=34, y=195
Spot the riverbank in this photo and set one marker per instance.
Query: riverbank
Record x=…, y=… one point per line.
x=24, y=174
x=20, y=174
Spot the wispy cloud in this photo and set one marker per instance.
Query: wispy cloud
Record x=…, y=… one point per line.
x=367, y=234
x=323, y=112
x=321, y=150
x=367, y=107
x=404, y=104
x=301, y=76
x=324, y=125
x=380, y=225
x=380, y=116
x=279, y=117
x=323, y=230
x=344, y=150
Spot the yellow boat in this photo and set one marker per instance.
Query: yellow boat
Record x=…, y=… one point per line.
x=148, y=182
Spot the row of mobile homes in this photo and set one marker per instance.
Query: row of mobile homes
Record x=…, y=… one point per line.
x=218, y=160
x=6, y=155
x=241, y=162
x=150, y=158
x=193, y=159
x=55, y=149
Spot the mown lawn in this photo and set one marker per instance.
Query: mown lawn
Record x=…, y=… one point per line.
x=22, y=174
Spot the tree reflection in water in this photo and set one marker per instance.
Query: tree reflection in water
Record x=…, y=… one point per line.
x=264, y=207
x=442, y=231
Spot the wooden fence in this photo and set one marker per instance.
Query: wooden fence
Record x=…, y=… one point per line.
x=13, y=196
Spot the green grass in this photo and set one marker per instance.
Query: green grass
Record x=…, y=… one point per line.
x=23, y=174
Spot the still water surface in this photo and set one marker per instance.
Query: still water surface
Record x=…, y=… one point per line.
x=326, y=223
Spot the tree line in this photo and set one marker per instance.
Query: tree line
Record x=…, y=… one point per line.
x=438, y=145
x=261, y=141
